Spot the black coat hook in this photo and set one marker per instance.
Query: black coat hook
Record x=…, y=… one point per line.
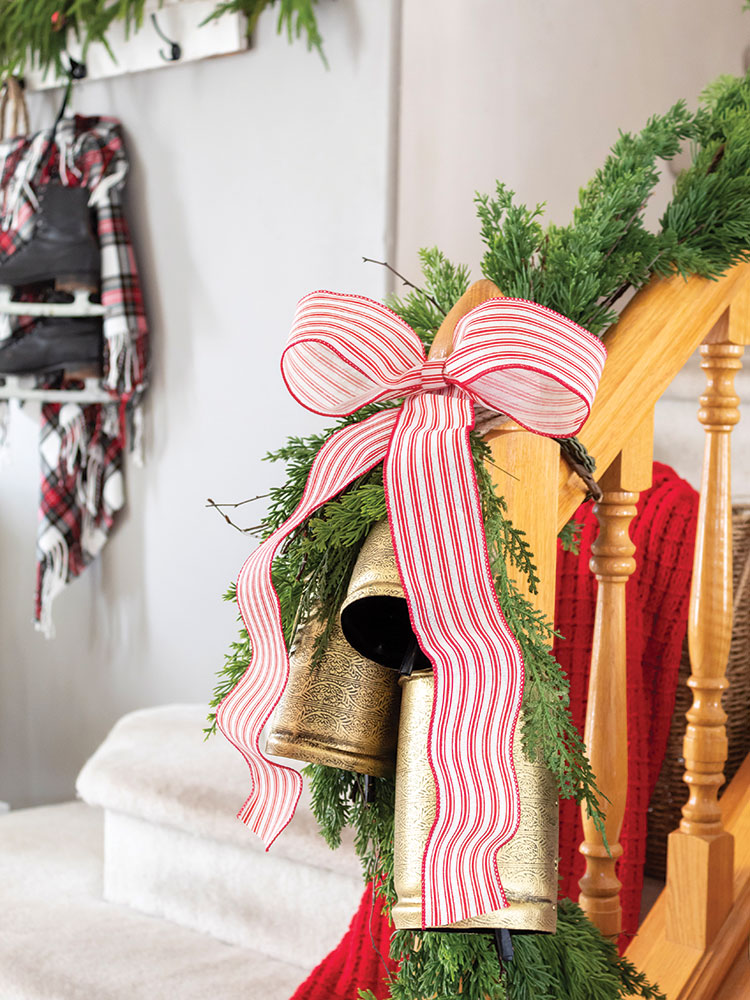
x=175, y=51
x=77, y=70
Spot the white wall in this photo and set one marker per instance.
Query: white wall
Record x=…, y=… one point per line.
x=533, y=94
x=255, y=178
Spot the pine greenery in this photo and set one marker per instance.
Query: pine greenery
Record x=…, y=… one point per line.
x=582, y=270
x=36, y=35
x=575, y=962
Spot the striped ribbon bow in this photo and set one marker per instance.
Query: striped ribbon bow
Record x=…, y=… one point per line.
x=510, y=356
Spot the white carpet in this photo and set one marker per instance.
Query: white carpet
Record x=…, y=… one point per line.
x=156, y=765
x=270, y=904
x=60, y=941
x=174, y=848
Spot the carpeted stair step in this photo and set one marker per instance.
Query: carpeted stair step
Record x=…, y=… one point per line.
x=59, y=940
x=174, y=848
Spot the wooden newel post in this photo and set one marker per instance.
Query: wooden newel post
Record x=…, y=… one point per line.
x=606, y=720
x=700, y=860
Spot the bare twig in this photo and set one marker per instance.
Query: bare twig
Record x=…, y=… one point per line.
x=488, y=461
x=218, y=506
x=213, y=503
x=409, y=284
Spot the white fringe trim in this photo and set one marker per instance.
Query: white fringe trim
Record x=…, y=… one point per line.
x=4, y=428
x=54, y=578
x=136, y=445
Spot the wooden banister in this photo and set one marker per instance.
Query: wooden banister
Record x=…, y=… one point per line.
x=606, y=721
x=700, y=860
x=658, y=331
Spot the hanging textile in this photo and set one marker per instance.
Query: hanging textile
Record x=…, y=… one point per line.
x=81, y=446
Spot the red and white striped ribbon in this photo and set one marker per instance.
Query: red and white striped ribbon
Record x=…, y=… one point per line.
x=513, y=357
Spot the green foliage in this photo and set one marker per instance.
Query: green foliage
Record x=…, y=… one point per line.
x=576, y=963
x=570, y=537
x=446, y=966
x=706, y=227
x=36, y=34
x=295, y=17
x=425, y=308
x=337, y=799
x=582, y=268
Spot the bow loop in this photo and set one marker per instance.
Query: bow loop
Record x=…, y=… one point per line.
x=346, y=351
x=512, y=356
x=527, y=361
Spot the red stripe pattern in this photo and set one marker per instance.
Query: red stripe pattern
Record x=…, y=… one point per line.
x=513, y=357
x=347, y=454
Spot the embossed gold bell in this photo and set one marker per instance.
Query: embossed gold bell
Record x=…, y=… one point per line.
x=342, y=711
x=374, y=615
x=527, y=864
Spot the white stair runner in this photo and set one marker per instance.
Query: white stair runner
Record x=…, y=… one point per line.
x=81, y=891
x=173, y=846
x=60, y=941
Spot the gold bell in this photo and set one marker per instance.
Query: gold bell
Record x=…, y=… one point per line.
x=375, y=620
x=342, y=712
x=374, y=615
x=527, y=864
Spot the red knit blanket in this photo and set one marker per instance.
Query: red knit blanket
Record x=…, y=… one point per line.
x=657, y=607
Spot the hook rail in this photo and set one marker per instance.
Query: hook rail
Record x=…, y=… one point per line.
x=175, y=50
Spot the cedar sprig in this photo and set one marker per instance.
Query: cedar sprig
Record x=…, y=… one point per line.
x=577, y=963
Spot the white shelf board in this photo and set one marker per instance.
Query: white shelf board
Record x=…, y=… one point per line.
x=22, y=388
x=180, y=20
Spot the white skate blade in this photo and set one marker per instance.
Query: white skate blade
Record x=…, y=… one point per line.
x=80, y=306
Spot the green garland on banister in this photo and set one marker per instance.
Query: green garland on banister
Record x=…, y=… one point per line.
x=35, y=34
x=582, y=270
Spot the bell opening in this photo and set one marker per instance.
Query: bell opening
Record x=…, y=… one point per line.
x=378, y=627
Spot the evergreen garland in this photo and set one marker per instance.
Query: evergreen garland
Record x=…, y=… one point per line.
x=581, y=270
x=36, y=35
x=575, y=962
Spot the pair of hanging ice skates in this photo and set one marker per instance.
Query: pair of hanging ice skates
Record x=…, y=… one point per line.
x=60, y=267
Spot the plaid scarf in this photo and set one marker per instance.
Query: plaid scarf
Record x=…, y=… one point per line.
x=81, y=447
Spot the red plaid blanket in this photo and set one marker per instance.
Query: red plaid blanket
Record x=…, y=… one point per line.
x=81, y=447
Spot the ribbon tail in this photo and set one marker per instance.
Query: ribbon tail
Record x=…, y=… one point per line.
x=438, y=535
x=241, y=716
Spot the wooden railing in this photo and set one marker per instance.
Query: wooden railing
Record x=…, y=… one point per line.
x=695, y=928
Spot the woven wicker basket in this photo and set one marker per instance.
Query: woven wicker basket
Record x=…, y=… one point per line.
x=671, y=792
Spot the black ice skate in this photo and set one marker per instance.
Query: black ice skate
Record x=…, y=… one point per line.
x=53, y=344
x=63, y=247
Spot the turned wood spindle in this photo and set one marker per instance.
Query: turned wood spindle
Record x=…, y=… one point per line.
x=606, y=720
x=700, y=862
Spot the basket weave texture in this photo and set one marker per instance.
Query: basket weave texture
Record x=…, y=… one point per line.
x=671, y=792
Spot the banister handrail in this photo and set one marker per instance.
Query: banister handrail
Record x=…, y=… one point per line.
x=658, y=331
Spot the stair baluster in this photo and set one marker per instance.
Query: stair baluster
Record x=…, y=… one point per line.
x=606, y=723
x=700, y=861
